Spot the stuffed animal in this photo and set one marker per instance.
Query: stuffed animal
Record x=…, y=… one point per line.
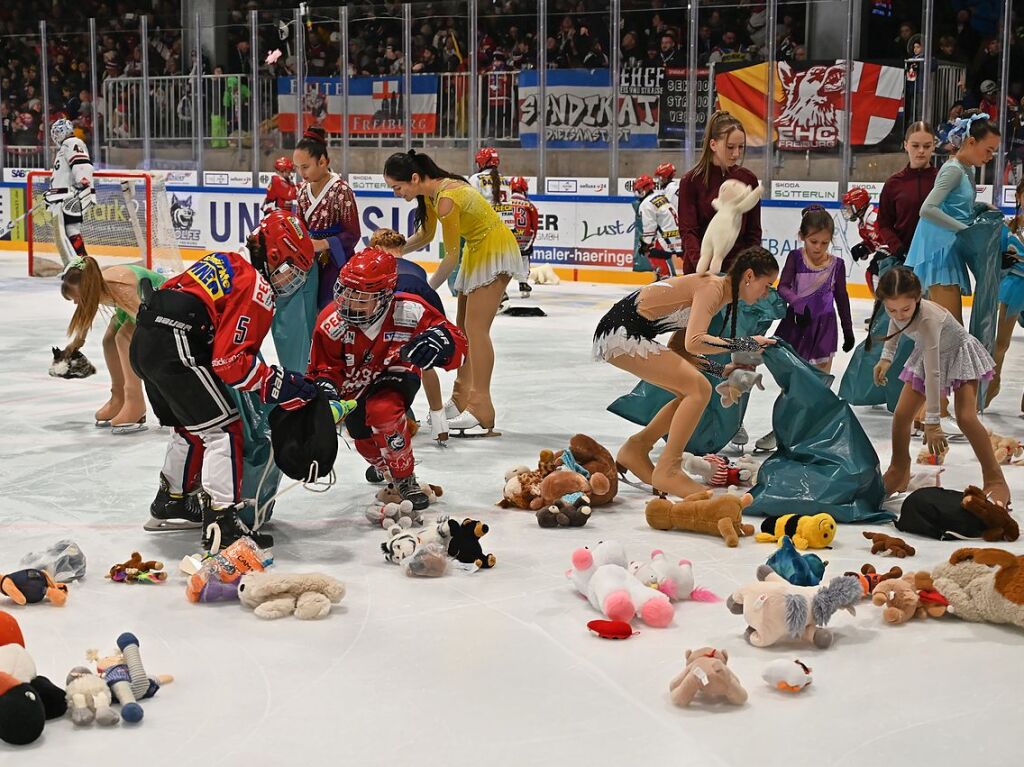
x=673, y=579
x=999, y=525
x=565, y=498
x=388, y=514
x=739, y=382
x=565, y=514
x=27, y=700
x=707, y=674
x=1007, y=449
x=807, y=531
x=522, y=486
x=137, y=571
x=33, y=586
x=869, y=577
x=775, y=609
x=464, y=544
x=126, y=677
x=75, y=365
x=799, y=569
x=216, y=578
x=787, y=675
x=88, y=699
x=307, y=596
x=928, y=458
x=611, y=629
x=543, y=274
x=389, y=493
x=977, y=592
x=715, y=470
x=602, y=577
x=595, y=459
x=734, y=199
x=887, y=544
x=402, y=543
x=702, y=512
x=912, y=596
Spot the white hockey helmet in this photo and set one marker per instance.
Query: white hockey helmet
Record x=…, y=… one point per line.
x=61, y=130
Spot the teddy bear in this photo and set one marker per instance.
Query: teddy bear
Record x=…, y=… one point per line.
x=601, y=575
x=307, y=596
x=31, y=586
x=707, y=674
x=522, y=486
x=543, y=274
x=135, y=570
x=887, y=544
x=983, y=585
x=999, y=525
x=88, y=699
x=391, y=513
x=595, y=459
x=673, y=579
x=739, y=382
x=734, y=199
x=1007, y=449
x=869, y=577
x=389, y=493
x=912, y=596
x=464, y=543
x=776, y=609
x=808, y=531
x=565, y=498
x=702, y=512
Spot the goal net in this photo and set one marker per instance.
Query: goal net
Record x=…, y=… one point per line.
x=130, y=223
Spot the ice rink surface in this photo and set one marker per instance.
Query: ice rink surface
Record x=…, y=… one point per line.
x=493, y=668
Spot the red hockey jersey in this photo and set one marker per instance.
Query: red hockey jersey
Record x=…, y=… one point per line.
x=240, y=303
x=280, y=195
x=868, y=229
x=520, y=215
x=352, y=357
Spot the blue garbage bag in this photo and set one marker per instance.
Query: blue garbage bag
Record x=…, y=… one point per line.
x=717, y=424
x=294, y=320
x=259, y=473
x=824, y=461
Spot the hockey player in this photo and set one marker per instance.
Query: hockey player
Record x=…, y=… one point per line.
x=659, y=237
x=371, y=346
x=665, y=182
x=492, y=186
x=520, y=215
x=197, y=335
x=67, y=198
x=856, y=207
x=282, y=190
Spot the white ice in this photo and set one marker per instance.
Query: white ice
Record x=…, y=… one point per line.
x=492, y=668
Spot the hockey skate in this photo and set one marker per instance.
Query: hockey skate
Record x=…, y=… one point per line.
x=374, y=475
x=439, y=427
x=222, y=527
x=767, y=444
x=409, y=489
x=740, y=439
x=173, y=511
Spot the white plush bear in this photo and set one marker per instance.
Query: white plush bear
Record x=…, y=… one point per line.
x=734, y=199
x=673, y=579
x=543, y=274
x=306, y=595
x=601, y=576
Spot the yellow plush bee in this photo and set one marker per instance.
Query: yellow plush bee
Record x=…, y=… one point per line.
x=807, y=532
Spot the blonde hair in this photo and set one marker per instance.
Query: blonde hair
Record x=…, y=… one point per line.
x=388, y=239
x=719, y=127
x=92, y=291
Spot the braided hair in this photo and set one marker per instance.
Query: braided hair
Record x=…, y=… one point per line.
x=401, y=165
x=898, y=281
x=761, y=263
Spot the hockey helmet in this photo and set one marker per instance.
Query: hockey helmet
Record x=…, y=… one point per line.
x=665, y=172
x=855, y=202
x=365, y=286
x=284, y=165
x=284, y=254
x=487, y=157
x=61, y=130
x=518, y=185
x=643, y=186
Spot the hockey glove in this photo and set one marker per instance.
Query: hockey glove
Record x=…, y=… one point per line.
x=434, y=346
x=327, y=387
x=860, y=251
x=286, y=388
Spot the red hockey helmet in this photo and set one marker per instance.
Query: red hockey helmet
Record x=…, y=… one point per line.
x=487, y=157
x=643, y=185
x=365, y=286
x=519, y=185
x=283, y=252
x=284, y=165
x=665, y=172
x=855, y=202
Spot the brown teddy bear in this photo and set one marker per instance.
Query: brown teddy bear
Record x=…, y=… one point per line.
x=912, y=596
x=553, y=511
x=706, y=673
x=702, y=512
x=999, y=525
x=522, y=484
x=596, y=459
x=896, y=547
x=1007, y=449
x=135, y=570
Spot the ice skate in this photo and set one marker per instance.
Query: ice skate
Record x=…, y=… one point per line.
x=634, y=459
x=374, y=475
x=129, y=428
x=106, y=413
x=173, y=511
x=951, y=429
x=675, y=482
x=451, y=410
x=468, y=426
x=409, y=489
x=525, y=289
x=222, y=527
x=740, y=439
x=439, y=427
x=767, y=444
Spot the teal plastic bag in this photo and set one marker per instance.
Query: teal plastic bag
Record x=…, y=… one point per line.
x=718, y=424
x=258, y=458
x=825, y=461
x=294, y=320
x=979, y=247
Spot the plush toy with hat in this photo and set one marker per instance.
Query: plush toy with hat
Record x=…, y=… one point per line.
x=717, y=471
x=702, y=512
x=307, y=596
x=28, y=587
x=602, y=576
x=707, y=675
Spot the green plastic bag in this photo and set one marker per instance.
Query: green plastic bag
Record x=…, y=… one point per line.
x=824, y=461
x=294, y=320
x=257, y=453
x=718, y=424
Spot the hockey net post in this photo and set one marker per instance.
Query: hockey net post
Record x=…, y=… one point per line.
x=130, y=223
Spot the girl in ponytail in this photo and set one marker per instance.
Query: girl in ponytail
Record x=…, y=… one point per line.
x=945, y=358
x=683, y=306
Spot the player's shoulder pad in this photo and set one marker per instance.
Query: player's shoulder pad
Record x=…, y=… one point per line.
x=407, y=312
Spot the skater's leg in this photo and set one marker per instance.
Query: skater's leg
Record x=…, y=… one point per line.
x=897, y=476
x=134, y=409
x=965, y=401
x=117, y=375
x=1003, y=338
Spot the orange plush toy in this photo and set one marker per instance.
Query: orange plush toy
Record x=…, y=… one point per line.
x=32, y=586
x=703, y=512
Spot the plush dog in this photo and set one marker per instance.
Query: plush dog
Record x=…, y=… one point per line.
x=74, y=365
x=702, y=512
x=707, y=674
x=307, y=596
x=983, y=585
x=739, y=382
x=734, y=199
x=887, y=544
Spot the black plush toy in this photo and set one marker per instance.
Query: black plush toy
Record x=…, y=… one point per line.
x=26, y=699
x=75, y=365
x=465, y=543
